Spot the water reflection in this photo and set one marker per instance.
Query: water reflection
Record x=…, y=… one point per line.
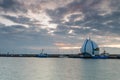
x=58, y=69
x=91, y=69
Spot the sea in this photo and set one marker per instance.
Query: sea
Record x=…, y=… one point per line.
x=14, y=68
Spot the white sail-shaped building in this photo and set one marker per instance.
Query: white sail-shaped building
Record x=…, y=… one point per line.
x=89, y=47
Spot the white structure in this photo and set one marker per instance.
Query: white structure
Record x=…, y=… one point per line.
x=90, y=47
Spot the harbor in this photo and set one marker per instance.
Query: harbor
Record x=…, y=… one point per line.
x=110, y=56
x=89, y=50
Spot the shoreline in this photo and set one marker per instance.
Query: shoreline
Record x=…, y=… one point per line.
x=110, y=56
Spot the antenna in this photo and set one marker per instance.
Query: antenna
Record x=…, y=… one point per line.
x=89, y=36
x=104, y=50
x=42, y=51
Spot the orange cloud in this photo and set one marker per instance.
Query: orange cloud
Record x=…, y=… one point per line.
x=60, y=44
x=72, y=47
x=66, y=46
x=113, y=46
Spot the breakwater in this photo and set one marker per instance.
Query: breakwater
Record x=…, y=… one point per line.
x=110, y=56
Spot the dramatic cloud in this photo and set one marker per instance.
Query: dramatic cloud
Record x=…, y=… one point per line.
x=90, y=16
x=11, y=5
x=51, y=24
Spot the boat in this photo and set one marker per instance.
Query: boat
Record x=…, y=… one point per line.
x=42, y=55
x=100, y=57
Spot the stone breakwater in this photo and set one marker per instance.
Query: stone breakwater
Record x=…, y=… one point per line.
x=110, y=56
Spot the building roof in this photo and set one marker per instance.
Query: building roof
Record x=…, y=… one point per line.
x=90, y=47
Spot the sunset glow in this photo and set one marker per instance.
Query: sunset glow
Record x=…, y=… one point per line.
x=58, y=24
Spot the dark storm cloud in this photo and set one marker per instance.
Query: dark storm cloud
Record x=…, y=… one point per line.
x=115, y=4
x=29, y=22
x=20, y=19
x=11, y=5
x=17, y=35
x=102, y=23
x=64, y=30
x=57, y=14
x=11, y=29
x=91, y=9
x=9, y=34
x=22, y=5
x=75, y=6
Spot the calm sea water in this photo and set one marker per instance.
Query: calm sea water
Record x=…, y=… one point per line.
x=59, y=69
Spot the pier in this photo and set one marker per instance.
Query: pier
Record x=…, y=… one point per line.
x=110, y=56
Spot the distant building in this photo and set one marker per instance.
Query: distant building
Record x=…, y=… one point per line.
x=89, y=48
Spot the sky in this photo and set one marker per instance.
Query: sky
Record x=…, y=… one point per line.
x=58, y=26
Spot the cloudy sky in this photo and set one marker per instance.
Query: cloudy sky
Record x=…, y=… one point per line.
x=27, y=26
